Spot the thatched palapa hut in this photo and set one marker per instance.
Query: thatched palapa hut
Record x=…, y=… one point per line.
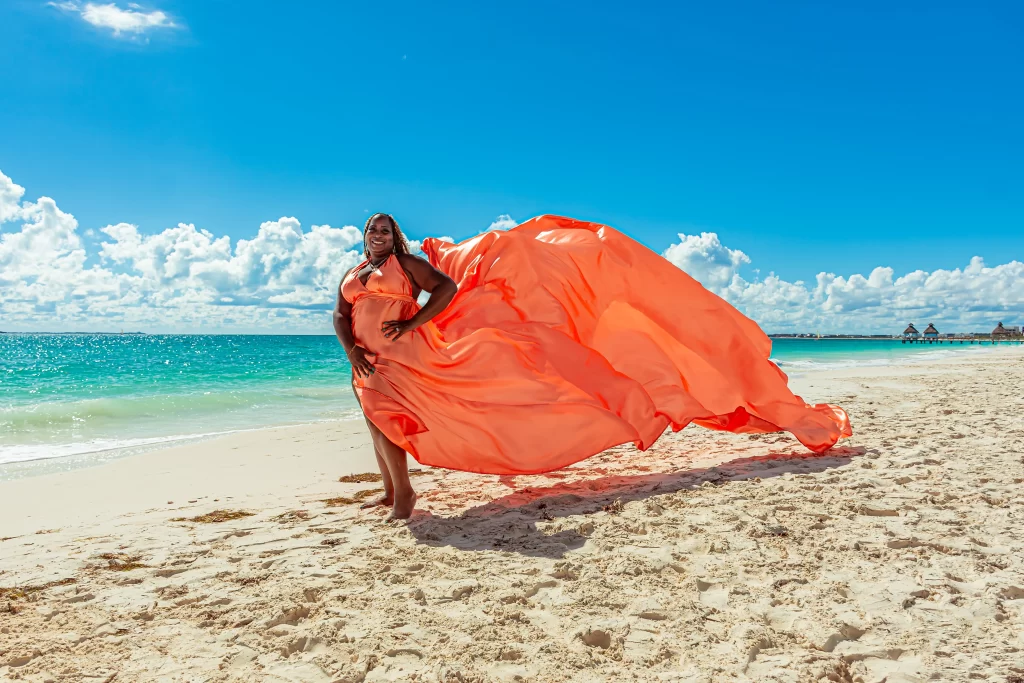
x=1000, y=332
x=930, y=332
x=911, y=332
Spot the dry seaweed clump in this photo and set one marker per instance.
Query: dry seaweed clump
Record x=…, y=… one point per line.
x=22, y=592
x=122, y=562
x=215, y=516
x=253, y=580
x=364, y=478
x=293, y=516
x=356, y=497
x=372, y=477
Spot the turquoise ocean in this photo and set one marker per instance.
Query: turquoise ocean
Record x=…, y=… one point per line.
x=84, y=397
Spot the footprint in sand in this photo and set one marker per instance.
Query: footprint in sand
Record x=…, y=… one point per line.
x=713, y=594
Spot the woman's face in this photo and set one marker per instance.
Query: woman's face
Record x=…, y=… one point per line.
x=379, y=237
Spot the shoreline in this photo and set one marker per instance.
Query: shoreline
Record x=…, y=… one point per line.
x=106, y=454
x=84, y=456
x=236, y=467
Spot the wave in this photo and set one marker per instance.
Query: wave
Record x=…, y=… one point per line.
x=28, y=452
x=93, y=413
x=17, y=453
x=56, y=428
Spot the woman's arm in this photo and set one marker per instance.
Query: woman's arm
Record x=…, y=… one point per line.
x=343, y=329
x=428, y=278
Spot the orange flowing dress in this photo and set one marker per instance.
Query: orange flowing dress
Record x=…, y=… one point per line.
x=564, y=339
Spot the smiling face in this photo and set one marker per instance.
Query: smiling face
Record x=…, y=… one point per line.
x=379, y=237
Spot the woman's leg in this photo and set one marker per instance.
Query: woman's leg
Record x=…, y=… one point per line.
x=389, y=488
x=394, y=469
x=395, y=460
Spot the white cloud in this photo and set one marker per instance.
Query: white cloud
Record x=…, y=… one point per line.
x=281, y=267
x=285, y=279
x=10, y=196
x=503, y=222
x=180, y=278
x=968, y=299
x=706, y=258
x=131, y=20
x=42, y=266
x=416, y=246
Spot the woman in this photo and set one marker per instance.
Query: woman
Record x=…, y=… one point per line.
x=387, y=312
x=561, y=338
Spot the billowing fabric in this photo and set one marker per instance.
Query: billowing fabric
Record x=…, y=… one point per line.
x=565, y=338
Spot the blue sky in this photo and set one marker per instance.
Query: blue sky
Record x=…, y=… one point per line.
x=812, y=136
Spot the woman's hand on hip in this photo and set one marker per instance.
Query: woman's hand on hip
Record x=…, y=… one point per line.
x=360, y=364
x=394, y=329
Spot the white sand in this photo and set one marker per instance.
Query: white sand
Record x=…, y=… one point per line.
x=712, y=557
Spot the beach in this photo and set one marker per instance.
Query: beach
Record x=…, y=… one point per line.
x=895, y=557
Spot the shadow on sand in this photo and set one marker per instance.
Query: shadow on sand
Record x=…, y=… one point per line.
x=509, y=523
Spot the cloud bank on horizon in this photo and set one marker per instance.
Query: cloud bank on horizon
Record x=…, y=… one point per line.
x=284, y=279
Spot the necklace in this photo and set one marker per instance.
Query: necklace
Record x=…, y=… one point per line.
x=376, y=265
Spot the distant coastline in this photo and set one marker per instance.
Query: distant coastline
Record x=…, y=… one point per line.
x=959, y=336
x=806, y=335
x=66, y=332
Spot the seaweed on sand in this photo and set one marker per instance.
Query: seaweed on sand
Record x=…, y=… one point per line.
x=215, y=517
x=370, y=477
x=122, y=562
x=292, y=516
x=356, y=497
x=363, y=478
x=22, y=592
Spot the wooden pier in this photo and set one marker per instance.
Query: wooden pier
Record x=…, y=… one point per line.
x=1000, y=335
x=1009, y=340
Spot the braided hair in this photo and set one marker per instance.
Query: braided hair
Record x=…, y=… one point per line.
x=401, y=245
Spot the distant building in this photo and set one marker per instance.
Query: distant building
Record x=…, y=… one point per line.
x=930, y=332
x=911, y=332
x=1000, y=332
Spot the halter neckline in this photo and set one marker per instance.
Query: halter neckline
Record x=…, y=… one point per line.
x=387, y=258
x=379, y=280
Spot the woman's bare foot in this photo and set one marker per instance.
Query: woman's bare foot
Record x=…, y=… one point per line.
x=386, y=499
x=403, y=506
